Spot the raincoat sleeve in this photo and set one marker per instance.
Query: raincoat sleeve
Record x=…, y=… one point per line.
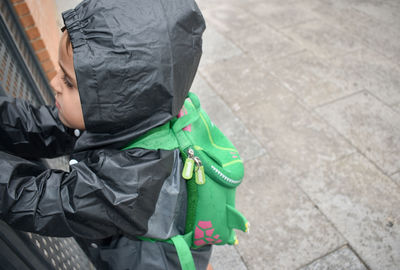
x=32, y=132
x=110, y=192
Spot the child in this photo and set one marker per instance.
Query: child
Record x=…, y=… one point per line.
x=126, y=67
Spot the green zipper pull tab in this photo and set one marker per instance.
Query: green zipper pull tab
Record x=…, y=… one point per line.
x=200, y=177
x=187, y=172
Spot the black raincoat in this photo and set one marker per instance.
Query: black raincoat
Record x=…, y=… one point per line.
x=135, y=61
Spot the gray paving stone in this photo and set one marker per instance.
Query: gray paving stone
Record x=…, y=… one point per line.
x=223, y=117
x=241, y=82
x=386, y=11
x=323, y=39
x=317, y=81
x=263, y=43
x=248, y=4
x=205, y=4
x=281, y=14
x=396, y=178
x=379, y=36
x=341, y=259
x=303, y=68
x=370, y=125
x=341, y=12
x=396, y=107
x=365, y=69
x=309, y=77
x=211, y=4
x=363, y=204
x=292, y=133
x=201, y=88
x=287, y=231
x=226, y=258
x=216, y=47
x=221, y=17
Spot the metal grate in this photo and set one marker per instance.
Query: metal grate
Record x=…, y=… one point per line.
x=62, y=253
x=21, y=77
x=11, y=80
x=13, y=35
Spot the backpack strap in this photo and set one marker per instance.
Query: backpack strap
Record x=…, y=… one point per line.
x=195, y=99
x=184, y=121
x=160, y=137
x=184, y=254
x=182, y=244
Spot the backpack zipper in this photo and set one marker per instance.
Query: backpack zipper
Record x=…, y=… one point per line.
x=193, y=163
x=187, y=172
x=200, y=177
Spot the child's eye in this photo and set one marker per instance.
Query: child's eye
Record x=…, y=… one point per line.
x=67, y=82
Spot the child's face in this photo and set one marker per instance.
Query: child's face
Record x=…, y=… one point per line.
x=65, y=86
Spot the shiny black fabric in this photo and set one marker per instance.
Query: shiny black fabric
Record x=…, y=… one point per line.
x=127, y=52
x=135, y=61
x=108, y=192
x=31, y=133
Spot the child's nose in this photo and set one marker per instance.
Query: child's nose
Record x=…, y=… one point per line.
x=55, y=84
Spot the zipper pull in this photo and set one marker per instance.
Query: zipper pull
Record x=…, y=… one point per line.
x=187, y=172
x=200, y=177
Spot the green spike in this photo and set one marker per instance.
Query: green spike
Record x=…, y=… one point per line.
x=236, y=220
x=232, y=238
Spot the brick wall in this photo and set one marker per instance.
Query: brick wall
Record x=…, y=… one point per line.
x=38, y=18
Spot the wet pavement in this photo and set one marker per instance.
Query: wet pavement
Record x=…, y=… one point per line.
x=309, y=92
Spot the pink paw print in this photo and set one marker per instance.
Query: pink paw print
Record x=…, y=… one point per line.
x=204, y=234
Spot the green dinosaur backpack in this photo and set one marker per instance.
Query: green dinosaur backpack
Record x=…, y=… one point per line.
x=213, y=170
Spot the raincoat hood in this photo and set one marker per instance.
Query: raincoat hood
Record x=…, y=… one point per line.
x=134, y=60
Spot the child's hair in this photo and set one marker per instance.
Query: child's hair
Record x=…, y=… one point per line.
x=68, y=45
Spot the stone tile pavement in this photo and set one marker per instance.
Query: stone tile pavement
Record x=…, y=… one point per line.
x=309, y=91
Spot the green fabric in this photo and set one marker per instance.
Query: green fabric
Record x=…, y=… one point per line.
x=153, y=240
x=158, y=138
x=235, y=219
x=212, y=202
x=191, y=209
x=184, y=254
x=210, y=144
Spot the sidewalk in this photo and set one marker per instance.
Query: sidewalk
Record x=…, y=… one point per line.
x=309, y=91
